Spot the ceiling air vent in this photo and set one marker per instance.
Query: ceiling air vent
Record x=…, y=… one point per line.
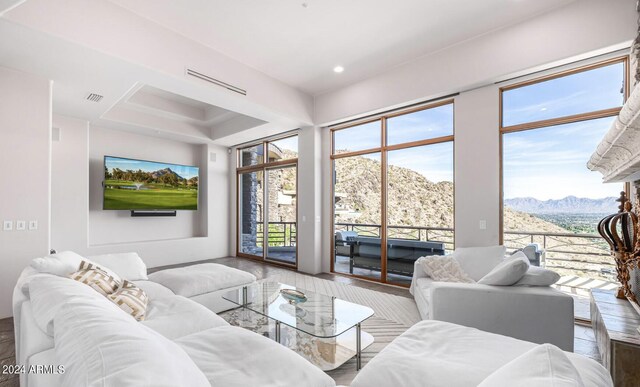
x=216, y=82
x=93, y=97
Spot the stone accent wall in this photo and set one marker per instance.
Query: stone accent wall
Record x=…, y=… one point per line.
x=249, y=205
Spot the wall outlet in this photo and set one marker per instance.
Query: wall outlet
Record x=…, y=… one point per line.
x=7, y=225
x=483, y=225
x=33, y=225
x=21, y=225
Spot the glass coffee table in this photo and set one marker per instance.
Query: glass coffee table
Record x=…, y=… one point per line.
x=323, y=317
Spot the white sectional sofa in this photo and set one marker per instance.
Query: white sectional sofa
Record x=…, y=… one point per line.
x=539, y=314
x=440, y=354
x=62, y=322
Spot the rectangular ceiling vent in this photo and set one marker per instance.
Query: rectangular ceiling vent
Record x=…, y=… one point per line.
x=93, y=97
x=216, y=82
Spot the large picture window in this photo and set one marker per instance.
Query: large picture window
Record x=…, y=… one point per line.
x=392, y=192
x=551, y=202
x=267, y=183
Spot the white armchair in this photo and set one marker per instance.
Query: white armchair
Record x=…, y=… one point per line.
x=536, y=314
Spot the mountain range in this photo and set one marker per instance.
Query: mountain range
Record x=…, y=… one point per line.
x=166, y=171
x=568, y=205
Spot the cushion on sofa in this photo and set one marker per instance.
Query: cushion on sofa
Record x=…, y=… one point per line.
x=432, y=353
x=130, y=299
x=61, y=264
x=50, y=293
x=103, y=347
x=154, y=290
x=537, y=276
x=233, y=356
x=544, y=365
x=96, y=278
x=478, y=261
x=128, y=266
x=193, y=280
x=64, y=263
x=507, y=272
x=444, y=268
x=177, y=316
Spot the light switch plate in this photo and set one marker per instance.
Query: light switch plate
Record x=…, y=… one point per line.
x=21, y=225
x=7, y=225
x=483, y=225
x=33, y=225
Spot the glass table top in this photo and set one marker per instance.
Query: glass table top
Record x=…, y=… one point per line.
x=319, y=315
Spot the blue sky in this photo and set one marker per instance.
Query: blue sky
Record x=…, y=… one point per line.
x=431, y=123
x=547, y=163
x=550, y=163
x=289, y=143
x=591, y=90
x=148, y=166
x=435, y=162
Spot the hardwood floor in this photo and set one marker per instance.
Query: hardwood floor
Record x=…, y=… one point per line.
x=7, y=352
x=584, y=338
x=263, y=270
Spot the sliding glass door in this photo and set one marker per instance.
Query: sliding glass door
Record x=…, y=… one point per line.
x=282, y=208
x=357, y=215
x=393, y=192
x=267, y=186
x=250, y=219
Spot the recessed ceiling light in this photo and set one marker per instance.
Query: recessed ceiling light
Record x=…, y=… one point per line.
x=338, y=69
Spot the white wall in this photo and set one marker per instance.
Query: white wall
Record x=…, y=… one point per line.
x=576, y=31
x=25, y=122
x=477, y=167
x=310, y=224
x=81, y=225
x=69, y=195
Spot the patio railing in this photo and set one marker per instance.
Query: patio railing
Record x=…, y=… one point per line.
x=583, y=255
x=568, y=253
x=433, y=234
x=281, y=234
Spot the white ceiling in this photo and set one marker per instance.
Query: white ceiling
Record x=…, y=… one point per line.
x=301, y=45
x=135, y=98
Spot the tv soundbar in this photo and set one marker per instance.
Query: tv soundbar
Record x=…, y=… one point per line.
x=139, y=213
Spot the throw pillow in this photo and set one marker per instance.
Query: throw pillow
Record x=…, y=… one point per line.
x=97, y=278
x=128, y=266
x=64, y=263
x=544, y=365
x=131, y=299
x=537, y=276
x=445, y=268
x=478, y=261
x=508, y=272
x=61, y=264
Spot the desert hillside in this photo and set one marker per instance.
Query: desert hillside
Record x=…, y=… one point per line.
x=416, y=201
x=413, y=200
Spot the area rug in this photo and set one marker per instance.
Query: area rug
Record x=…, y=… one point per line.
x=393, y=315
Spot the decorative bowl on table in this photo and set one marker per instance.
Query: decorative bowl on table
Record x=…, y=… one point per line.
x=293, y=296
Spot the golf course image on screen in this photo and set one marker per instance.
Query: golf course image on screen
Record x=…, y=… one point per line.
x=131, y=184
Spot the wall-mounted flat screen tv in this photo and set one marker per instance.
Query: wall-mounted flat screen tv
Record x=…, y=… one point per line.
x=131, y=184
